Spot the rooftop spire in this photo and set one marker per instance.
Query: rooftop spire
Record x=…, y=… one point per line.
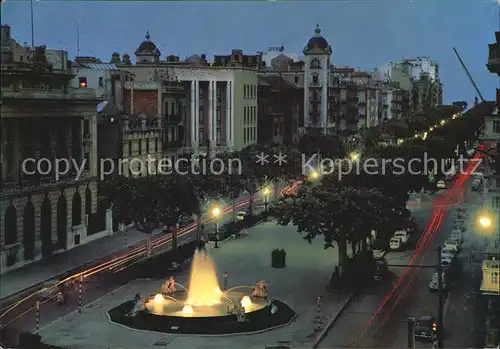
x=147, y=35
x=317, y=30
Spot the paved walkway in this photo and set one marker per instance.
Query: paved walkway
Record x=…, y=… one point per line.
x=246, y=260
x=37, y=272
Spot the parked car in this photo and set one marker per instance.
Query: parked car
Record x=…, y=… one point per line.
x=425, y=328
x=457, y=235
x=434, y=284
x=453, y=245
x=395, y=244
x=441, y=184
x=52, y=287
x=403, y=235
x=241, y=215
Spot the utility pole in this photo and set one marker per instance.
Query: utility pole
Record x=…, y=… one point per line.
x=440, y=328
x=32, y=26
x=411, y=333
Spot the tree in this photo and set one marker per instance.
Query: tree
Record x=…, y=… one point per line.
x=153, y=201
x=339, y=213
x=328, y=146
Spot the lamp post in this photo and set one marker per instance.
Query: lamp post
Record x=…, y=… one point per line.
x=216, y=213
x=266, y=198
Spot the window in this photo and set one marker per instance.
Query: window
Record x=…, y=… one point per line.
x=245, y=115
x=315, y=79
x=245, y=135
x=496, y=126
x=147, y=146
x=245, y=91
x=101, y=81
x=156, y=145
x=129, y=148
x=496, y=201
x=82, y=82
x=296, y=79
x=315, y=64
x=140, y=146
x=202, y=117
x=217, y=135
x=200, y=135
x=494, y=278
x=218, y=116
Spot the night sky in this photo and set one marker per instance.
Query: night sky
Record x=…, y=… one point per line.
x=364, y=34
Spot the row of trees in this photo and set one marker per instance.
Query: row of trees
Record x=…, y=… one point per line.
x=345, y=212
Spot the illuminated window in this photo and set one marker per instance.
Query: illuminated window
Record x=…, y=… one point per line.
x=494, y=278
x=82, y=82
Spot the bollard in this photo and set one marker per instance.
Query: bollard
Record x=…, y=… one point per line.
x=80, y=296
x=37, y=316
x=318, y=313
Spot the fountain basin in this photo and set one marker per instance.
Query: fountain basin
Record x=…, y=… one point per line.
x=209, y=324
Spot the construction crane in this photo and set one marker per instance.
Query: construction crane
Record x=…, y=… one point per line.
x=468, y=74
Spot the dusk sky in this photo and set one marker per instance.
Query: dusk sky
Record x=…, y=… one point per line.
x=364, y=34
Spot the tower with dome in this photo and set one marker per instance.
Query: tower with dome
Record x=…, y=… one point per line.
x=147, y=52
x=317, y=53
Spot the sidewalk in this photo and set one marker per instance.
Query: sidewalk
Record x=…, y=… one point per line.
x=246, y=260
x=38, y=272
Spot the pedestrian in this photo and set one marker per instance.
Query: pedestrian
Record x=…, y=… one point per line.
x=225, y=277
x=60, y=298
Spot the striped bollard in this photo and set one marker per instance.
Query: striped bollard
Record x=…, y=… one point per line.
x=37, y=316
x=318, y=313
x=80, y=296
x=126, y=235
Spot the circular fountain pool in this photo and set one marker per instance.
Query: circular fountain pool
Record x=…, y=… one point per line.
x=202, y=308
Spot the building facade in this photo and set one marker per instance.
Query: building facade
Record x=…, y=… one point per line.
x=279, y=110
x=211, y=108
x=44, y=122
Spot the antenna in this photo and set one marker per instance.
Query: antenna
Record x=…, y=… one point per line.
x=78, y=39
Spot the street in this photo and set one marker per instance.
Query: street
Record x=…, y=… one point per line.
x=413, y=298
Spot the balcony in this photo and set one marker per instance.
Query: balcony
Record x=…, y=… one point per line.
x=36, y=183
x=47, y=93
x=173, y=119
x=493, y=64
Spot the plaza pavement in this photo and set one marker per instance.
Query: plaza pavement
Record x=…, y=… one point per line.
x=246, y=260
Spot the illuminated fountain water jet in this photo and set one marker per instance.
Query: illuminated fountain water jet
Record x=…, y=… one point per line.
x=203, y=308
x=204, y=289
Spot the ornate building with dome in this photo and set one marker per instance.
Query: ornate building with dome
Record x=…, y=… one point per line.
x=202, y=108
x=317, y=54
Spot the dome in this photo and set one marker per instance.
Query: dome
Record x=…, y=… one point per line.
x=317, y=41
x=148, y=45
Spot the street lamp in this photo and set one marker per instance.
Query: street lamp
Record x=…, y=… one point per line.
x=314, y=175
x=354, y=156
x=266, y=198
x=485, y=222
x=216, y=213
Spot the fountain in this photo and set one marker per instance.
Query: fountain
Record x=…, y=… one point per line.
x=203, y=307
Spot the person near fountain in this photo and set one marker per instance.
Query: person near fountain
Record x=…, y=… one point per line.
x=225, y=277
x=260, y=289
x=171, y=285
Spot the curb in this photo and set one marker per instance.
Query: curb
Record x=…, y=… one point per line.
x=332, y=322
